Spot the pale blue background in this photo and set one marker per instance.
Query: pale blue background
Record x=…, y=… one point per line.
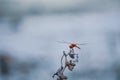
x=29, y=31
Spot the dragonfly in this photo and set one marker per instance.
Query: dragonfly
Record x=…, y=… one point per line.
x=72, y=45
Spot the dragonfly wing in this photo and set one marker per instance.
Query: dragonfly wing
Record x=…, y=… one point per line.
x=82, y=44
x=64, y=42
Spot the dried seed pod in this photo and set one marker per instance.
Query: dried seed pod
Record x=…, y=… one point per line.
x=72, y=55
x=70, y=65
x=62, y=77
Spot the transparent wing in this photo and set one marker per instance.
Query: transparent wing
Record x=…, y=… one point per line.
x=64, y=42
x=82, y=44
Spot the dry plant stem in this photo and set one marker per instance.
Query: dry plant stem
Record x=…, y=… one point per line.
x=67, y=64
x=64, y=55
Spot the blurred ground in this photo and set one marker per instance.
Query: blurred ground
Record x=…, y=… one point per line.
x=29, y=31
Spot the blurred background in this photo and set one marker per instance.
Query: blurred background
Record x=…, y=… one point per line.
x=30, y=29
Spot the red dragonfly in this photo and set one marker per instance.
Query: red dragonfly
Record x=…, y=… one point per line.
x=72, y=45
